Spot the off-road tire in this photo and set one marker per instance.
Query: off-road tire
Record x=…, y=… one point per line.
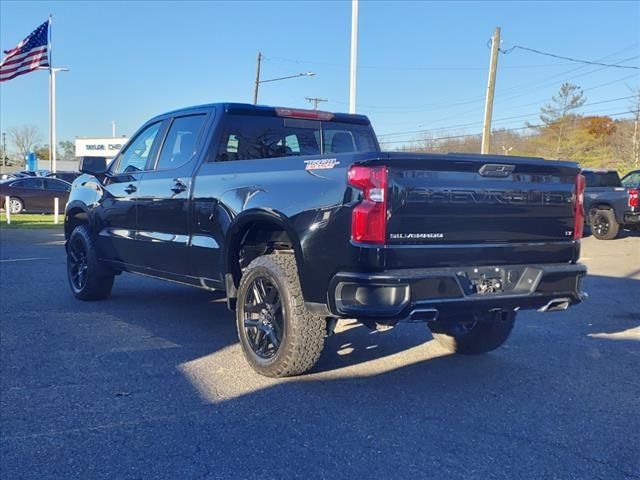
x=613, y=227
x=99, y=278
x=485, y=336
x=303, y=332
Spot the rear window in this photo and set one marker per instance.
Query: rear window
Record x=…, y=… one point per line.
x=251, y=137
x=602, y=179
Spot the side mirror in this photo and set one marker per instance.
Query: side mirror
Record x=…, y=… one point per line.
x=93, y=165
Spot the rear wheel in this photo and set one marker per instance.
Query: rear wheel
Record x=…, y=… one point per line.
x=88, y=278
x=477, y=334
x=278, y=335
x=604, y=225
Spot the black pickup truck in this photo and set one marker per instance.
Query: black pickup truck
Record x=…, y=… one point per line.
x=300, y=218
x=610, y=204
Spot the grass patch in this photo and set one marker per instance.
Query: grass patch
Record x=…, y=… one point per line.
x=30, y=220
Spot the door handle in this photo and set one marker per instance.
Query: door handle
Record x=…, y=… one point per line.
x=131, y=188
x=178, y=186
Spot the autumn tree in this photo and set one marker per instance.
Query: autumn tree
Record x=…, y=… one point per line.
x=68, y=150
x=42, y=152
x=24, y=138
x=558, y=114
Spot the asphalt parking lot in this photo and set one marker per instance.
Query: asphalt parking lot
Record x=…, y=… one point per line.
x=151, y=383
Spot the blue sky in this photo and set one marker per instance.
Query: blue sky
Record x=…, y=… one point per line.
x=422, y=65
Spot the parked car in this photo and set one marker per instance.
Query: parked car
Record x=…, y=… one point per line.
x=610, y=206
x=631, y=179
x=301, y=219
x=34, y=194
x=66, y=176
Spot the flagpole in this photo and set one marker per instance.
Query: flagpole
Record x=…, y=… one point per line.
x=52, y=164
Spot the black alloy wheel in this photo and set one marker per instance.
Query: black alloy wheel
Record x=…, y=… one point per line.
x=78, y=264
x=263, y=318
x=601, y=225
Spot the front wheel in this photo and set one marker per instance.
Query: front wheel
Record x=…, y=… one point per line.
x=477, y=334
x=278, y=335
x=15, y=205
x=88, y=278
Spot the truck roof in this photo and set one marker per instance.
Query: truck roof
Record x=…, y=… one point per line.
x=265, y=110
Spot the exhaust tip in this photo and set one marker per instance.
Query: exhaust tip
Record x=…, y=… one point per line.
x=555, y=305
x=424, y=315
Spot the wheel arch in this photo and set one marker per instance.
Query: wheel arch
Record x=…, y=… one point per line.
x=263, y=227
x=598, y=206
x=76, y=213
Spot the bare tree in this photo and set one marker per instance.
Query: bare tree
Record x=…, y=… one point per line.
x=556, y=114
x=24, y=138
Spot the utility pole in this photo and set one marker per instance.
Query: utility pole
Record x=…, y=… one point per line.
x=255, y=91
x=491, y=87
x=354, y=56
x=636, y=145
x=315, y=101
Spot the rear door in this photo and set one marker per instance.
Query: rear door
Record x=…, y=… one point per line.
x=57, y=189
x=163, y=196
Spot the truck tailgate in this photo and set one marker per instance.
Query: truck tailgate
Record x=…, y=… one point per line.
x=458, y=199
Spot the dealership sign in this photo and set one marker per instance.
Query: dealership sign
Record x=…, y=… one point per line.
x=99, y=147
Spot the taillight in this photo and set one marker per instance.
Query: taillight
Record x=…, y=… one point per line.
x=578, y=205
x=369, y=217
x=634, y=202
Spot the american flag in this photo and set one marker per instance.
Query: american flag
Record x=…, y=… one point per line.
x=31, y=53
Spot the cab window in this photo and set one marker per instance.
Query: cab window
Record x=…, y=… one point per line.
x=57, y=185
x=134, y=158
x=35, y=183
x=631, y=180
x=181, y=141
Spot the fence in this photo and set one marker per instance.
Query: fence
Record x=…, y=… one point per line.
x=56, y=209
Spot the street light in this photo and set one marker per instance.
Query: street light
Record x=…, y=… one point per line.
x=52, y=112
x=258, y=81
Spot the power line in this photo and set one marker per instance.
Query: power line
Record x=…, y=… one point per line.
x=499, y=100
x=526, y=127
x=418, y=67
x=575, y=60
x=496, y=120
x=588, y=89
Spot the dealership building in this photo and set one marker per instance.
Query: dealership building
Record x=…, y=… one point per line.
x=99, y=147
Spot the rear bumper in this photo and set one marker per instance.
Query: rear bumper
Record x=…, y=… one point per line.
x=631, y=218
x=425, y=293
